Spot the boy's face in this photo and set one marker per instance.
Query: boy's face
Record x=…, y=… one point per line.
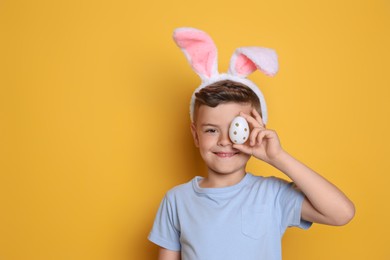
x=211, y=135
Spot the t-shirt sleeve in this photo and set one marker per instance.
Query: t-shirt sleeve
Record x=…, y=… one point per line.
x=165, y=231
x=289, y=201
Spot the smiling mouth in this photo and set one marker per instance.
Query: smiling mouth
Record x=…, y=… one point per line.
x=226, y=155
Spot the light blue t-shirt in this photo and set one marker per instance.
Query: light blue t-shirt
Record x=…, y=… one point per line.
x=244, y=221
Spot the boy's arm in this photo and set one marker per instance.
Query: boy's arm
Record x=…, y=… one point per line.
x=324, y=202
x=165, y=254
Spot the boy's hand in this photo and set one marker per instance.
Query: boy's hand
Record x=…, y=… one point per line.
x=263, y=144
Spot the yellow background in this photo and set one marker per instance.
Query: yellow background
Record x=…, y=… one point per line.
x=94, y=125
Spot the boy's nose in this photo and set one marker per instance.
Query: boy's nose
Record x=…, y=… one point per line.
x=224, y=140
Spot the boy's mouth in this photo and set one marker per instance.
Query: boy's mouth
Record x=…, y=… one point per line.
x=225, y=155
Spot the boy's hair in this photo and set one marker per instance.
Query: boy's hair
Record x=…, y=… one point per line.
x=226, y=91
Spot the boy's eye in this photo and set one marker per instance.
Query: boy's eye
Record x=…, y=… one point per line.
x=212, y=131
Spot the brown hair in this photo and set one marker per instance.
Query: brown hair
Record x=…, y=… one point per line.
x=226, y=91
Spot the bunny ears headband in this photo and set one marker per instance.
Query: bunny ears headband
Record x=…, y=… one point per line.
x=201, y=53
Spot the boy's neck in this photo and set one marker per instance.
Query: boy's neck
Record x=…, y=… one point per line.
x=216, y=180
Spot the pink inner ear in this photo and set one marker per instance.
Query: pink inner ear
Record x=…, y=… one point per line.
x=200, y=48
x=244, y=66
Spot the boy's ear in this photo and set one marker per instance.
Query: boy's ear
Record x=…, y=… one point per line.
x=195, y=134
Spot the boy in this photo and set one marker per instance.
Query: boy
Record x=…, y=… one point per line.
x=232, y=214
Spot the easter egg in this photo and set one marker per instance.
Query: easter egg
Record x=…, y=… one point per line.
x=239, y=130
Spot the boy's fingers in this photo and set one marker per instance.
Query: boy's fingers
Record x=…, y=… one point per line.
x=261, y=136
x=258, y=117
x=247, y=117
x=243, y=148
x=252, y=121
x=253, y=136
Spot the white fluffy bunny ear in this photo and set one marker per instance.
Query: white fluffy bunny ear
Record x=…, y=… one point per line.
x=246, y=60
x=199, y=49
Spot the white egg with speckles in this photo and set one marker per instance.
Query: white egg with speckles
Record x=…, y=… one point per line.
x=239, y=130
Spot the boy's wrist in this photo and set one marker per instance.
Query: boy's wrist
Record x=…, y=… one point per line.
x=281, y=159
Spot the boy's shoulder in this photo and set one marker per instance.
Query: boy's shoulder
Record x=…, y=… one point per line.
x=180, y=189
